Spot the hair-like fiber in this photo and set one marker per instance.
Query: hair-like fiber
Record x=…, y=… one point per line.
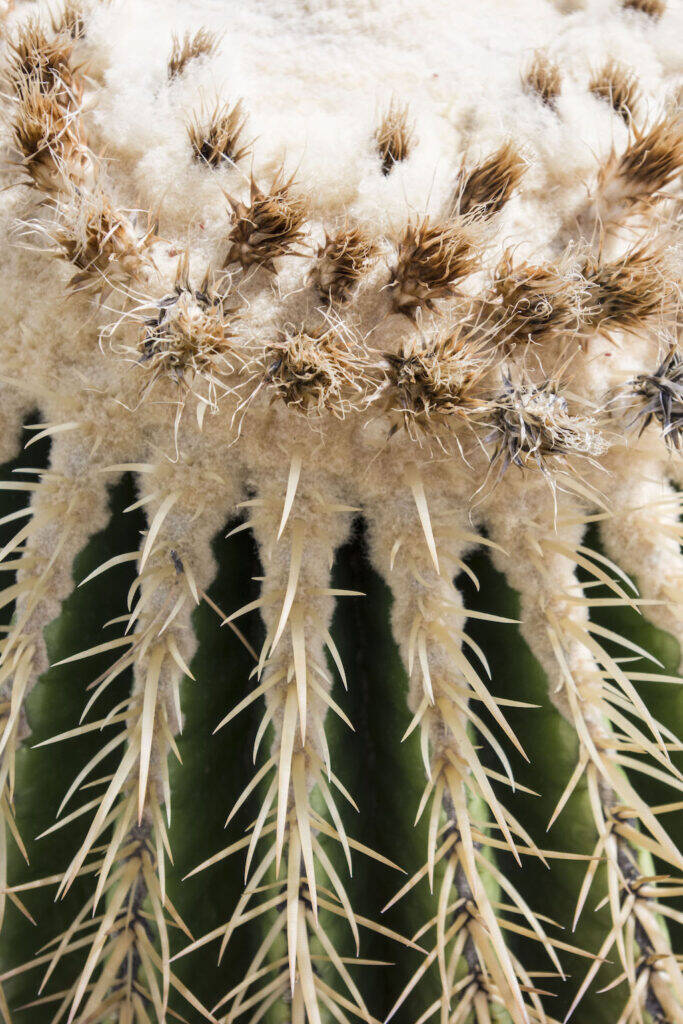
x=341, y=262
x=616, y=84
x=432, y=257
x=218, y=137
x=484, y=190
x=542, y=78
x=395, y=135
x=202, y=43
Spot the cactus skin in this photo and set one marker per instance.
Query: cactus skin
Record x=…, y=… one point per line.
x=396, y=399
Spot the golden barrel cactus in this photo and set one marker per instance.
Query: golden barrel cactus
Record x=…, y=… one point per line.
x=342, y=408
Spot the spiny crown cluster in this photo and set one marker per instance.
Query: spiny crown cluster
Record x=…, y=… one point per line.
x=617, y=85
x=442, y=376
x=440, y=379
x=395, y=135
x=193, y=336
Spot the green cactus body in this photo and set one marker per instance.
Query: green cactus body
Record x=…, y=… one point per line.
x=342, y=406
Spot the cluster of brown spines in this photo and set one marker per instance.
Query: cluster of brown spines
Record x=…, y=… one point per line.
x=99, y=240
x=630, y=292
x=395, y=135
x=69, y=19
x=616, y=85
x=651, y=8
x=315, y=370
x=484, y=189
x=431, y=380
x=538, y=302
x=341, y=261
x=542, y=79
x=190, y=338
x=432, y=258
x=219, y=137
x=38, y=56
x=650, y=163
x=44, y=83
x=88, y=230
x=48, y=139
x=555, y=300
x=192, y=46
x=269, y=226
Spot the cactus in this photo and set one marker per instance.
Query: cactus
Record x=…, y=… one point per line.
x=340, y=513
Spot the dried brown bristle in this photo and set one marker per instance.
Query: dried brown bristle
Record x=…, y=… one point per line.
x=485, y=189
x=542, y=77
x=341, y=262
x=432, y=258
x=630, y=183
x=39, y=124
x=630, y=291
x=269, y=227
x=395, y=135
x=48, y=137
x=216, y=139
x=99, y=240
x=652, y=8
x=193, y=45
x=315, y=371
x=650, y=163
x=430, y=382
x=70, y=19
x=617, y=85
x=34, y=56
x=538, y=301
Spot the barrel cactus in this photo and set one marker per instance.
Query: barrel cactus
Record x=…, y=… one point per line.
x=342, y=407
